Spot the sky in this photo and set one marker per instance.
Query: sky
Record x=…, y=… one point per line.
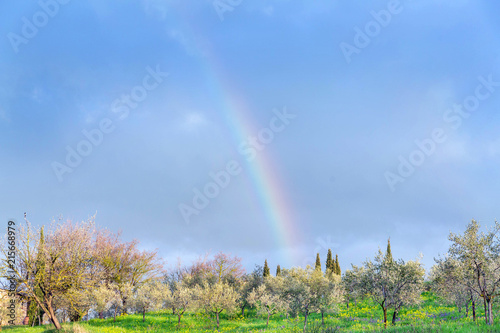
x=268, y=129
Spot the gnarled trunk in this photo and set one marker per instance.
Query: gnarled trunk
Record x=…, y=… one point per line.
x=52, y=316
x=490, y=311
x=305, y=321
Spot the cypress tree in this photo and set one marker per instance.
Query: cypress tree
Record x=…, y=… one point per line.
x=34, y=311
x=278, y=270
x=318, y=262
x=266, y=272
x=388, y=254
x=337, y=265
x=329, y=262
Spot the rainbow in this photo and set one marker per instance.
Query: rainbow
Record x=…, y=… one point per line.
x=267, y=185
x=263, y=170
x=268, y=188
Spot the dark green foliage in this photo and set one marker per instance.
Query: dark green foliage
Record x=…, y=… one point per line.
x=337, y=265
x=34, y=314
x=388, y=254
x=266, y=272
x=278, y=270
x=318, y=263
x=329, y=262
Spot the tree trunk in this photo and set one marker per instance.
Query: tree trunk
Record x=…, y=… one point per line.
x=243, y=311
x=217, y=315
x=322, y=318
x=473, y=310
x=52, y=316
x=114, y=315
x=305, y=322
x=143, y=314
x=179, y=319
x=100, y=315
x=467, y=309
x=385, y=317
x=394, y=316
x=485, y=310
x=124, y=302
x=490, y=311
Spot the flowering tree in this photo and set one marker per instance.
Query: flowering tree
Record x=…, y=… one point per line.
x=267, y=301
x=216, y=298
x=308, y=291
x=57, y=268
x=180, y=299
x=102, y=299
x=149, y=296
x=248, y=283
x=121, y=291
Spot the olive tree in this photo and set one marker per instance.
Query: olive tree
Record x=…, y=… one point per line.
x=179, y=299
x=391, y=283
x=249, y=282
x=149, y=296
x=308, y=291
x=351, y=283
x=266, y=300
x=216, y=298
x=453, y=281
x=480, y=252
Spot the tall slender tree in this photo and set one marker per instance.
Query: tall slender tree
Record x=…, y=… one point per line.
x=388, y=253
x=318, y=262
x=329, y=262
x=278, y=270
x=266, y=272
x=337, y=265
x=35, y=313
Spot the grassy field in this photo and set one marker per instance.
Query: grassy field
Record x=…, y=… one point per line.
x=430, y=316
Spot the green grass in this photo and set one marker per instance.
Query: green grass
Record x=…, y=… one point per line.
x=430, y=316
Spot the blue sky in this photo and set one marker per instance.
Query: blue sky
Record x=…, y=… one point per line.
x=356, y=114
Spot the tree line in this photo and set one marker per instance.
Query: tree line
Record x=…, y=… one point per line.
x=71, y=270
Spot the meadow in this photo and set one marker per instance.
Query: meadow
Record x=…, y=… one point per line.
x=432, y=315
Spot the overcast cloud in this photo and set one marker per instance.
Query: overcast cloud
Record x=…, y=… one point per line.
x=369, y=83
